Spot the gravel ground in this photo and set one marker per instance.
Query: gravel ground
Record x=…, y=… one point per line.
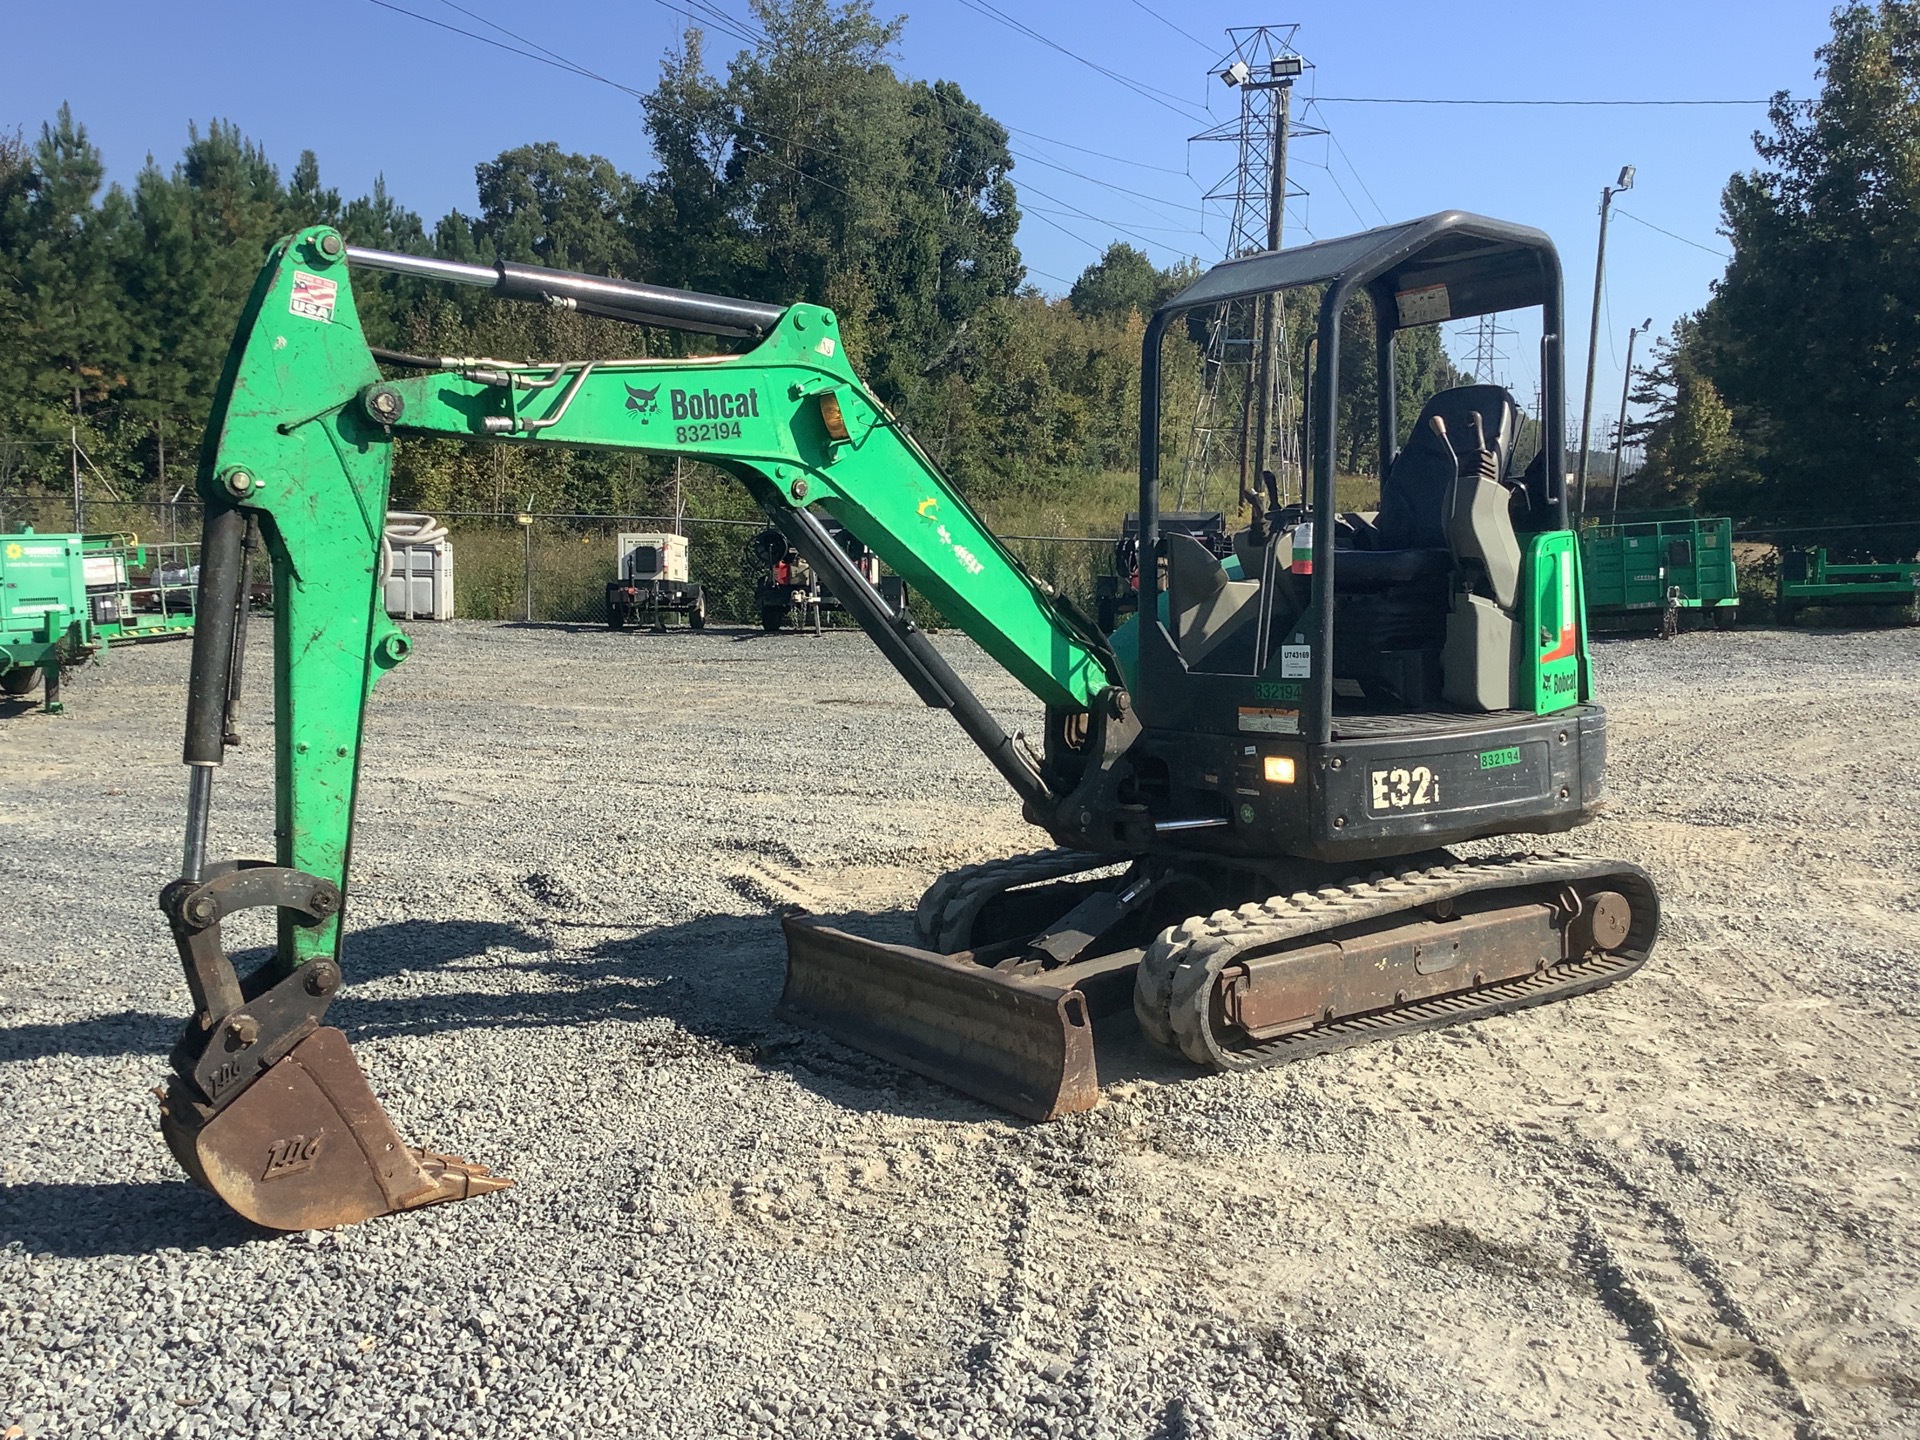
x=1682, y=1207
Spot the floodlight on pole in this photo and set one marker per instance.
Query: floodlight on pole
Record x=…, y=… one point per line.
x=1237, y=73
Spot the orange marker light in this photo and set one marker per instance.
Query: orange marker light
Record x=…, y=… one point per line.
x=831, y=417
x=1279, y=769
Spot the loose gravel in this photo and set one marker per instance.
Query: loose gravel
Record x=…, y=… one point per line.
x=1681, y=1207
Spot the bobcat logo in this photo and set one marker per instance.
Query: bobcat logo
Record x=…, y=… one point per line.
x=643, y=402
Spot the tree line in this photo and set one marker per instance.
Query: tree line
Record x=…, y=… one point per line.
x=806, y=168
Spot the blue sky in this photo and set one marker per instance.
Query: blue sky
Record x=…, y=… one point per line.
x=373, y=91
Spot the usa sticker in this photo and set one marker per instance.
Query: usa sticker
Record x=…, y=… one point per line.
x=313, y=296
x=1296, y=662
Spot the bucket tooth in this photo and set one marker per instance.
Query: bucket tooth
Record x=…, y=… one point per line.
x=306, y=1146
x=1017, y=1042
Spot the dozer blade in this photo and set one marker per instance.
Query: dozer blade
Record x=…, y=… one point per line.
x=306, y=1146
x=1019, y=1043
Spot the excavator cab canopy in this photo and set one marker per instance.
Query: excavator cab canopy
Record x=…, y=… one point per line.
x=1449, y=266
x=1435, y=531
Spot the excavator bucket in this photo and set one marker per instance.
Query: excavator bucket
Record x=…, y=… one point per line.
x=1017, y=1042
x=305, y=1146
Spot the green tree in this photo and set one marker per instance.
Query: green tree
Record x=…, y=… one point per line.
x=65, y=354
x=1687, y=429
x=1121, y=281
x=814, y=173
x=541, y=206
x=1813, y=337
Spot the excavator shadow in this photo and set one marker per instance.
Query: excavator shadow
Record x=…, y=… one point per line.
x=74, y=1221
x=714, y=981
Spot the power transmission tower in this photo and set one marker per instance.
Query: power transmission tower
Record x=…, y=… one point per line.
x=1246, y=358
x=1489, y=350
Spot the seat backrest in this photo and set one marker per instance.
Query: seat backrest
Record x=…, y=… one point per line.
x=1480, y=534
x=1416, y=496
x=1207, y=608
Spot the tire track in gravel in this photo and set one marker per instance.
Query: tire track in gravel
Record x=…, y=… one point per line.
x=1705, y=1356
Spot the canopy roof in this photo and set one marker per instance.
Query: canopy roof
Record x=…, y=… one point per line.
x=1447, y=266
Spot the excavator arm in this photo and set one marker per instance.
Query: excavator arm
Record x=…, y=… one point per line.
x=266, y=1104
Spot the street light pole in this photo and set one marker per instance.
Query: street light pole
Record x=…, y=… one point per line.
x=1625, y=182
x=1620, y=428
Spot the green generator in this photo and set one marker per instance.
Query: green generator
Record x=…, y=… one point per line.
x=1807, y=577
x=65, y=598
x=1649, y=568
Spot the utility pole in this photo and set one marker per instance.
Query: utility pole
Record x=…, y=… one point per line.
x=1625, y=182
x=1249, y=338
x=1273, y=318
x=1620, y=430
x=79, y=504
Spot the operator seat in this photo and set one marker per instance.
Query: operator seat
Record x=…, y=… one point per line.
x=1430, y=602
x=1417, y=496
x=1413, y=537
x=1208, y=610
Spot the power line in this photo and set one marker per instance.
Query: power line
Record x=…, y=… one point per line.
x=1354, y=170
x=1670, y=235
x=560, y=62
x=1101, y=154
x=1110, y=224
x=566, y=65
x=1141, y=5
x=739, y=29
x=555, y=55
x=1163, y=98
x=1412, y=100
x=1093, y=180
x=1036, y=270
x=1302, y=160
x=1161, y=229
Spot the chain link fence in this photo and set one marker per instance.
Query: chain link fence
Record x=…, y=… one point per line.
x=556, y=569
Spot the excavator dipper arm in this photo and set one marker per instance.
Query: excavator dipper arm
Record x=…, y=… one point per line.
x=266, y=1105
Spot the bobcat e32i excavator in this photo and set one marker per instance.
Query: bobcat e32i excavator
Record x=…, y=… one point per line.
x=1248, y=787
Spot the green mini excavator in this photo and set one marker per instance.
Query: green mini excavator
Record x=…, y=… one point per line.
x=1249, y=787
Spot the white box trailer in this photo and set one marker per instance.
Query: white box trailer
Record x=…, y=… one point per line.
x=653, y=581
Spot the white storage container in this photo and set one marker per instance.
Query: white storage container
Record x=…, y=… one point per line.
x=419, y=567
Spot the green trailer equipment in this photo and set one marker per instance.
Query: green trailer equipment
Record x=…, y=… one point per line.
x=1648, y=568
x=65, y=598
x=1807, y=577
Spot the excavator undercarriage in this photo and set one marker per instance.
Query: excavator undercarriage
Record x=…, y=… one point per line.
x=1252, y=788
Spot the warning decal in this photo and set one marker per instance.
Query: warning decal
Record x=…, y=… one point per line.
x=313, y=296
x=1269, y=720
x=1424, y=306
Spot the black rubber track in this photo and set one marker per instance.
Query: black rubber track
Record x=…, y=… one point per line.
x=1173, y=989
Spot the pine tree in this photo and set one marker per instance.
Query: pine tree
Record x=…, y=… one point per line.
x=1813, y=338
